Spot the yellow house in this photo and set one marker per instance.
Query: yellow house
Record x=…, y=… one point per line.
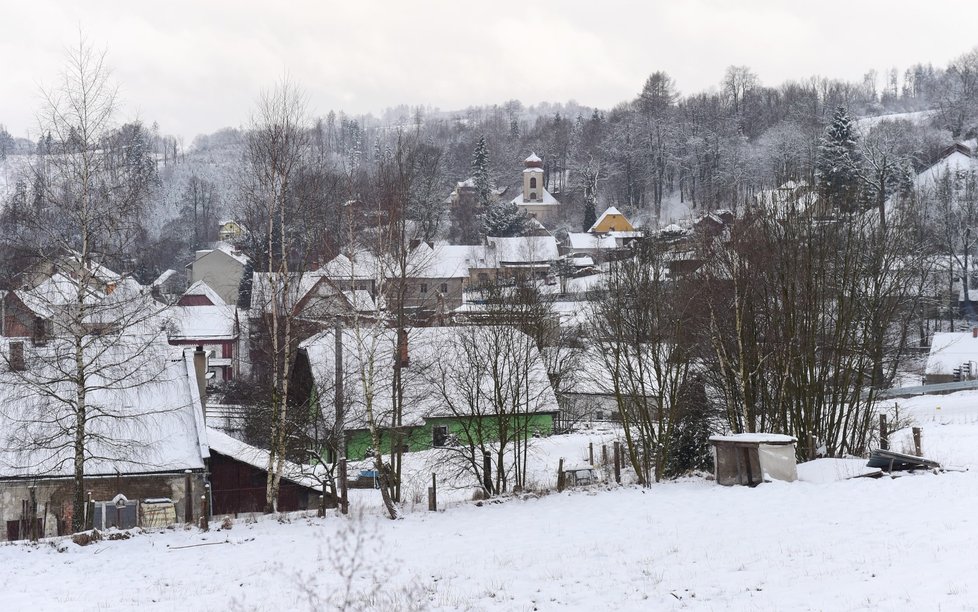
x=611, y=220
x=229, y=231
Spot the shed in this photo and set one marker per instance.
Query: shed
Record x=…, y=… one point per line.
x=752, y=458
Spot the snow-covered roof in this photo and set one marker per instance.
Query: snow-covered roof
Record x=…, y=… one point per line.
x=533, y=158
x=145, y=411
x=362, y=266
x=444, y=260
x=223, y=444
x=203, y=323
x=360, y=300
x=313, y=292
x=162, y=278
x=755, y=438
x=447, y=371
x=203, y=289
x=948, y=350
x=522, y=249
x=56, y=291
x=544, y=198
x=954, y=163
x=590, y=242
x=226, y=249
x=592, y=373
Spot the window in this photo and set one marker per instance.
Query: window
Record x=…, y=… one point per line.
x=439, y=435
x=424, y=288
x=533, y=196
x=533, y=182
x=444, y=288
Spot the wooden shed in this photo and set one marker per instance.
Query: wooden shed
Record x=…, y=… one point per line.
x=752, y=458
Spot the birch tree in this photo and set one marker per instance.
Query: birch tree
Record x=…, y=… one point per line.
x=277, y=146
x=94, y=329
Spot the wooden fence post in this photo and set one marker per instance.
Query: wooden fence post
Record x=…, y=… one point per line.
x=811, y=447
x=604, y=455
x=884, y=435
x=90, y=512
x=487, y=472
x=560, y=475
x=916, y=442
x=344, y=500
x=617, y=462
x=433, y=495
x=590, y=453
x=188, y=497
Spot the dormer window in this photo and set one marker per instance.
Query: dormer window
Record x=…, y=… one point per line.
x=533, y=182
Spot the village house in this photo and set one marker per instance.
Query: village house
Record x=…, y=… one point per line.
x=230, y=231
x=221, y=268
x=508, y=258
x=153, y=450
x=152, y=446
x=610, y=234
x=953, y=357
x=201, y=318
x=448, y=393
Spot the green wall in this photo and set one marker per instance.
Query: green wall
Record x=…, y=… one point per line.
x=464, y=428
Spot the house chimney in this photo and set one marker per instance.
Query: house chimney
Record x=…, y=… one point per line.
x=200, y=369
x=403, y=358
x=974, y=332
x=17, y=361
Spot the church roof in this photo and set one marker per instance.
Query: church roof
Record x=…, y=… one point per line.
x=533, y=158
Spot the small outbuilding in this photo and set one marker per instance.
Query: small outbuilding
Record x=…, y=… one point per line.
x=752, y=458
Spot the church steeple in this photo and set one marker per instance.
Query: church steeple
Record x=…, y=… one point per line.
x=533, y=179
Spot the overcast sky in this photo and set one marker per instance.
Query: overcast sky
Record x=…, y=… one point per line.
x=196, y=66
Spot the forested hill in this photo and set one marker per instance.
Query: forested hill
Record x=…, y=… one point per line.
x=658, y=157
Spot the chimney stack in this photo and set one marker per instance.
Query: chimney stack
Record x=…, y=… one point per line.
x=974, y=332
x=200, y=369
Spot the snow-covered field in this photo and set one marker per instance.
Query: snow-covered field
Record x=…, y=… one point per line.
x=904, y=543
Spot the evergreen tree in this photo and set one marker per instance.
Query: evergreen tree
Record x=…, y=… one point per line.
x=246, y=285
x=838, y=163
x=589, y=180
x=504, y=220
x=691, y=434
x=480, y=173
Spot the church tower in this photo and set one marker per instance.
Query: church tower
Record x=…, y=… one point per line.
x=533, y=179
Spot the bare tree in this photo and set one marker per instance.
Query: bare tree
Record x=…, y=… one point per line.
x=276, y=151
x=96, y=330
x=640, y=325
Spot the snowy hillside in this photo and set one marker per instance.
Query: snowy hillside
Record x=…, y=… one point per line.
x=890, y=544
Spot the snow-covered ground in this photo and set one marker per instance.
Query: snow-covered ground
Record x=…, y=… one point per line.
x=902, y=543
